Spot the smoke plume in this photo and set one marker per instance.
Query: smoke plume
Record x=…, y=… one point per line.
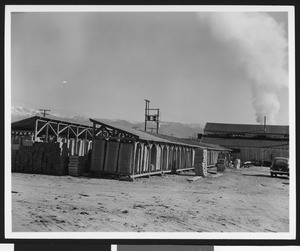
x=261, y=49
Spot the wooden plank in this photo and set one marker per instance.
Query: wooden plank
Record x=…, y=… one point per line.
x=191, y=179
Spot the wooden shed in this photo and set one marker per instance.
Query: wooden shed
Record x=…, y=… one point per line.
x=50, y=146
x=129, y=152
x=52, y=129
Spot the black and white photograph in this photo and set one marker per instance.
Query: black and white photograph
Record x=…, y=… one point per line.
x=159, y=122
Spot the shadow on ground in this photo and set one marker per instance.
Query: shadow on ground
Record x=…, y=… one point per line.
x=267, y=176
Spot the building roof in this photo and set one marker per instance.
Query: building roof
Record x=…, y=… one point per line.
x=246, y=128
x=29, y=123
x=194, y=142
x=232, y=143
x=139, y=134
x=147, y=136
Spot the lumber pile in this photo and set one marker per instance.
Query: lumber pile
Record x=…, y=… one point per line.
x=125, y=158
x=111, y=156
x=39, y=158
x=98, y=155
x=78, y=165
x=201, y=162
x=74, y=165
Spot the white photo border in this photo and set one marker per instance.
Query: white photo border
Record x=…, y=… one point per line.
x=291, y=235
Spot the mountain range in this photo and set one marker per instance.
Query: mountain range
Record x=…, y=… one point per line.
x=177, y=129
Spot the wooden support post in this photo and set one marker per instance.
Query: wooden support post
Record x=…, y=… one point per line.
x=36, y=129
x=157, y=121
x=133, y=157
x=47, y=129
x=76, y=143
x=94, y=131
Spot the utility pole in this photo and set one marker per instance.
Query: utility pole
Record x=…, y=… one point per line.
x=44, y=112
x=157, y=121
x=146, y=113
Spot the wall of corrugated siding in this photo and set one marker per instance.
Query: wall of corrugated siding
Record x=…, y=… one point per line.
x=262, y=154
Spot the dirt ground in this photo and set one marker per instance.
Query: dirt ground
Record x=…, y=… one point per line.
x=243, y=200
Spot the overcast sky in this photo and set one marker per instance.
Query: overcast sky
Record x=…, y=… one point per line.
x=195, y=68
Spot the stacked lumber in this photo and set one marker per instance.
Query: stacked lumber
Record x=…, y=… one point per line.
x=83, y=147
x=78, y=165
x=201, y=162
x=189, y=159
x=164, y=159
x=98, y=155
x=74, y=165
x=170, y=159
x=137, y=161
x=111, y=156
x=39, y=158
x=158, y=158
x=125, y=158
x=146, y=159
x=62, y=168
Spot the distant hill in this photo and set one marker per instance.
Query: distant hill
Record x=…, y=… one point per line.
x=177, y=129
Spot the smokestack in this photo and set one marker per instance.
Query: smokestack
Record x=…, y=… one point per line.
x=265, y=123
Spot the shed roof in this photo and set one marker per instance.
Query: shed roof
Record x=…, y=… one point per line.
x=29, y=123
x=246, y=128
x=137, y=133
x=194, y=142
x=147, y=136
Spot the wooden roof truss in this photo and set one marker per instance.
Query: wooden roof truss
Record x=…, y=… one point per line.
x=109, y=132
x=61, y=129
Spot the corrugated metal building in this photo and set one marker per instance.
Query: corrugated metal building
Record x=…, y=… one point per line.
x=257, y=143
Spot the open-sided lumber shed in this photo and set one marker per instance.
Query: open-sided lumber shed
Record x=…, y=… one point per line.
x=49, y=145
x=128, y=152
x=51, y=129
x=212, y=151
